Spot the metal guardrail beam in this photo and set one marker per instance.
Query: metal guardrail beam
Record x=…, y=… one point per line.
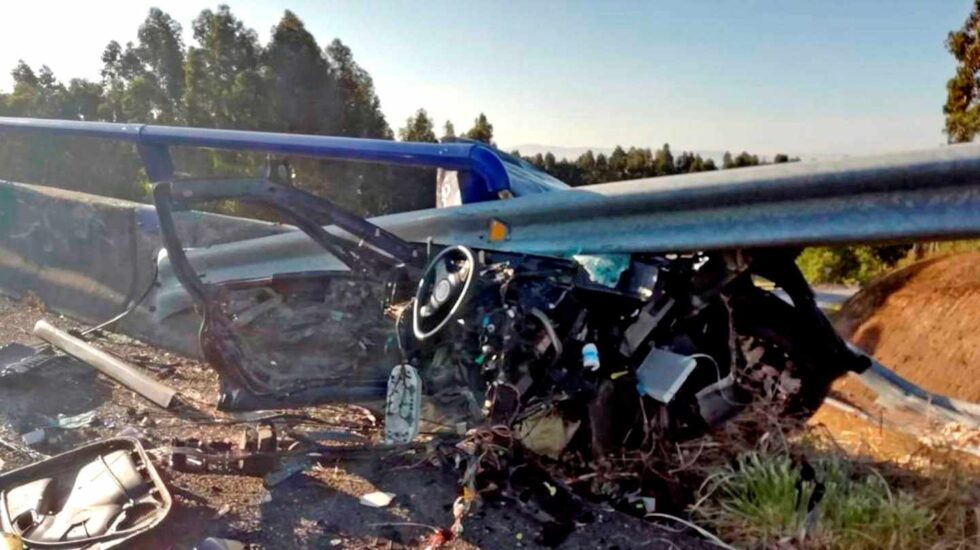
x=490, y=171
x=931, y=194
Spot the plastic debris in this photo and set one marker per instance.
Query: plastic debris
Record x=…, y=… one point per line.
x=77, y=421
x=547, y=434
x=286, y=472
x=663, y=373
x=130, y=431
x=403, y=405
x=35, y=437
x=377, y=499
x=18, y=358
x=644, y=504
x=98, y=495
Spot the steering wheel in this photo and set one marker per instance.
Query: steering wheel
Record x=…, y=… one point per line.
x=444, y=288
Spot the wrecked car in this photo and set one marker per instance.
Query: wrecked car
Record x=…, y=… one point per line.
x=521, y=301
x=519, y=315
x=675, y=342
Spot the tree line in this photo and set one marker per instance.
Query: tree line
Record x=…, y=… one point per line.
x=590, y=167
x=225, y=79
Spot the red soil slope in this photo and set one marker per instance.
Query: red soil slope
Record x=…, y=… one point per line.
x=923, y=321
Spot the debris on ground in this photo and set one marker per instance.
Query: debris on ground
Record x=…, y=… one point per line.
x=102, y=494
x=107, y=364
x=547, y=384
x=214, y=543
x=377, y=499
x=309, y=509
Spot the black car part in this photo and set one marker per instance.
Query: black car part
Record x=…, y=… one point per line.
x=679, y=344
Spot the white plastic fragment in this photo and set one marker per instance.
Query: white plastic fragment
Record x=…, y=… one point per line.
x=214, y=543
x=377, y=499
x=649, y=503
x=130, y=431
x=35, y=437
x=77, y=421
x=403, y=406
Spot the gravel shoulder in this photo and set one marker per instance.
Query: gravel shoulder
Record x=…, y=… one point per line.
x=316, y=509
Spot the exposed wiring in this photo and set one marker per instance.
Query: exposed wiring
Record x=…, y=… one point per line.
x=132, y=307
x=720, y=382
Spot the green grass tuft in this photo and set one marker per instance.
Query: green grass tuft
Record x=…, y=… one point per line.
x=753, y=503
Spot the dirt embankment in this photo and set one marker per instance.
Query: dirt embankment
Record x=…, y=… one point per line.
x=923, y=321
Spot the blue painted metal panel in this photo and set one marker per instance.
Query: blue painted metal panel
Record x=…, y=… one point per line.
x=488, y=171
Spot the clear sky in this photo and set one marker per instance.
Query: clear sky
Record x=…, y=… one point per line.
x=805, y=77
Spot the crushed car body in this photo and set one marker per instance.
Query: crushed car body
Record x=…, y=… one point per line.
x=596, y=327
x=522, y=299
x=507, y=337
